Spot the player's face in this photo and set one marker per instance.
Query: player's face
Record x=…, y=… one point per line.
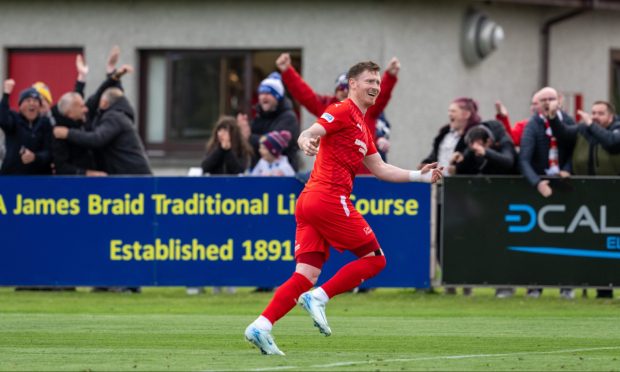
x=601, y=116
x=366, y=87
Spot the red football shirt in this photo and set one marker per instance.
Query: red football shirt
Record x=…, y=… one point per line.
x=341, y=150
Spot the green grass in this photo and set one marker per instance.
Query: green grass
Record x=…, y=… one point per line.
x=164, y=329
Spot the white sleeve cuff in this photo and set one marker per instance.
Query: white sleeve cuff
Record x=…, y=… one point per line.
x=417, y=176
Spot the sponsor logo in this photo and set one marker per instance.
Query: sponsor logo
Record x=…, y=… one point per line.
x=367, y=230
x=328, y=117
x=359, y=126
x=362, y=146
x=523, y=218
x=528, y=218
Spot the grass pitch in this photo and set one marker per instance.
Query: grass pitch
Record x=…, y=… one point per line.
x=385, y=330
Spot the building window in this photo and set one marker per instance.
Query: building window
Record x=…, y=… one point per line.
x=184, y=92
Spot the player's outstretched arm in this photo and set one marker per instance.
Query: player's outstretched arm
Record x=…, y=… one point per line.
x=430, y=173
x=310, y=138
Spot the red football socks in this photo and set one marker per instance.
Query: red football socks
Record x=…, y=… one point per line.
x=286, y=296
x=353, y=274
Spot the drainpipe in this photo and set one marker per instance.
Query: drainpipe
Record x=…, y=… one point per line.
x=546, y=36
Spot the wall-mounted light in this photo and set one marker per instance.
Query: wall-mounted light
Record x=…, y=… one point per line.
x=480, y=37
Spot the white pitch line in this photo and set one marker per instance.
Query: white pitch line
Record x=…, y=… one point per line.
x=343, y=364
x=466, y=356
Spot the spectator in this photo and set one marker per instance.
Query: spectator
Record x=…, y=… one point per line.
x=542, y=154
x=28, y=134
x=597, y=147
x=72, y=112
x=489, y=151
x=274, y=113
x=317, y=103
x=517, y=131
x=227, y=151
x=46, y=99
x=113, y=134
x=463, y=114
x=272, y=162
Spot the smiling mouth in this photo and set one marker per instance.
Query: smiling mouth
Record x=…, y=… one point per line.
x=372, y=94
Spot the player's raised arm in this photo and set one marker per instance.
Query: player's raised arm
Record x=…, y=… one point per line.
x=309, y=139
x=430, y=173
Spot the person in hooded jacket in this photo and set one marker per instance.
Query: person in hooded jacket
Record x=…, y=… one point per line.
x=274, y=113
x=490, y=150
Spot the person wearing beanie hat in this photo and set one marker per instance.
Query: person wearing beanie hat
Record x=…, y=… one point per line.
x=341, y=91
x=272, y=162
x=44, y=91
x=274, y=112
x=28, y=134
x=272, y=85
x=28, y=93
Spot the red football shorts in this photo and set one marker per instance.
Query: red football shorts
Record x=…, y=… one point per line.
x=325, y=220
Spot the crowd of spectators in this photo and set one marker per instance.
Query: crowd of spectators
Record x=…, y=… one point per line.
x=97, y=136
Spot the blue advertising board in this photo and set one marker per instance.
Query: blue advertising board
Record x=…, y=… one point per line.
x=168, y=231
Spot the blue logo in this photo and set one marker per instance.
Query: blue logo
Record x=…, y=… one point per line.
x=518, y=218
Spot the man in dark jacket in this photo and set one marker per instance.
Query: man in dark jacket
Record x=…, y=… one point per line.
x=597, y=147
x=28, y=135
x=541, y=152
x=597, y=141
x=113, y=136
x=274, y=112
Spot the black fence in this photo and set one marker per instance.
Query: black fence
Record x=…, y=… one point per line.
x=501, y=231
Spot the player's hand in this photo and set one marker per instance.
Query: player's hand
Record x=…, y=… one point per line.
x=435, y=171
x=283, y=62
x=9, y=84
x=544, y=189
x=564, y=174
x=310, y=146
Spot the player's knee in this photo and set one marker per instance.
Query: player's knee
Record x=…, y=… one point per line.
x=379, y=262
x=375, y=264
x=310, y=272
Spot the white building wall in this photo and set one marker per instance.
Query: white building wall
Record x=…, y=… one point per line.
x=425, y=35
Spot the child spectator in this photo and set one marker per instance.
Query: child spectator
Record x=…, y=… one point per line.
x=272, y=162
